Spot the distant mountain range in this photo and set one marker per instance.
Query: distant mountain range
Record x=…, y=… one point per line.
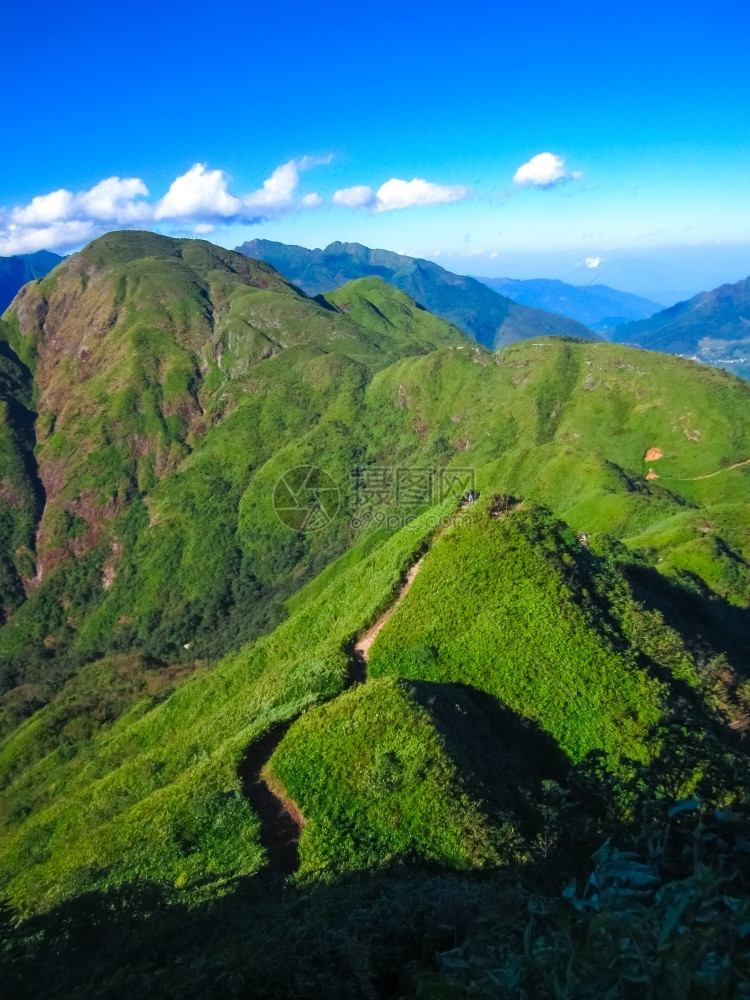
x=713, y=327
x=597, y=306
x=490, y=318
x=16, y=271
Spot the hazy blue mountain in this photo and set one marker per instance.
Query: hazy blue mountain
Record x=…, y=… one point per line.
x=599, y=307
x=16, y=271
x=713, y=327
x=490, y=318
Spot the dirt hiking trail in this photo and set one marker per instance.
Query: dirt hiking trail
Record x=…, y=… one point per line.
x=709, y=475
x=363, y=645
x=280, y=817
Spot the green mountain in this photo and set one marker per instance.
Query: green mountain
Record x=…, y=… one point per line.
x=284, y=712
x=16, y=271
x=491, y=319
x=598, y=307
x=151, y=359
x=713, y=327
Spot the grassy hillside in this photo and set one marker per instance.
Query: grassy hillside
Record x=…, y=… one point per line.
x=375, y=781
x=180, y=658
x=154, y=790
x=156, y=793
x=196, y=369
x=160, y=492
x=490, y=318
x=519, y=619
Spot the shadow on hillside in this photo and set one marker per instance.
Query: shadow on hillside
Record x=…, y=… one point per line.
x=357, y=936
x=23, y=421
x=701, y=618
x=503, y=758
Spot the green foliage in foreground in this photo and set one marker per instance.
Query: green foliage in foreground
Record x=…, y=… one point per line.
x=629, y=930
x=663, y=917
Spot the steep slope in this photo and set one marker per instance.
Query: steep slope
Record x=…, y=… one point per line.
x=386, y=772
x=713, y=327
x=380, y=307
x=20, y=489
x=598, y=307
x=166, y=373
x=491, y=319
x=16, y=271
x=414, y=771
x=517, y=618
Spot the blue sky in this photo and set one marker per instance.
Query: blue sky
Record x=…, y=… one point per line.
x=396, y=125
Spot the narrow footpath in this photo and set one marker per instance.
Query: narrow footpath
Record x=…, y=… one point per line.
x=281, y=819
x=709, y=475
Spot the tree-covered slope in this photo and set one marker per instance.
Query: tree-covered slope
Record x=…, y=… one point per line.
x=712, y=326
x=491, y=319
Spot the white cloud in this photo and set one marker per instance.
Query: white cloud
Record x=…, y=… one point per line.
x=312, y=200
x=199, y=193
x=199, y=199
x=360, y=196
x=314, y=161
x=592, y=262
x=196, y=201
x=61, y=219
x=276, y=195
x=396, y=193
x=405, y=194
x=57, y=235
x=44, y=209
x=544, y=170
x=115, y=200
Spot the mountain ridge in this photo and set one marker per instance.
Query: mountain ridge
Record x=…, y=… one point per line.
x=713, y=326
x=599, y=307
x=491, y=319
